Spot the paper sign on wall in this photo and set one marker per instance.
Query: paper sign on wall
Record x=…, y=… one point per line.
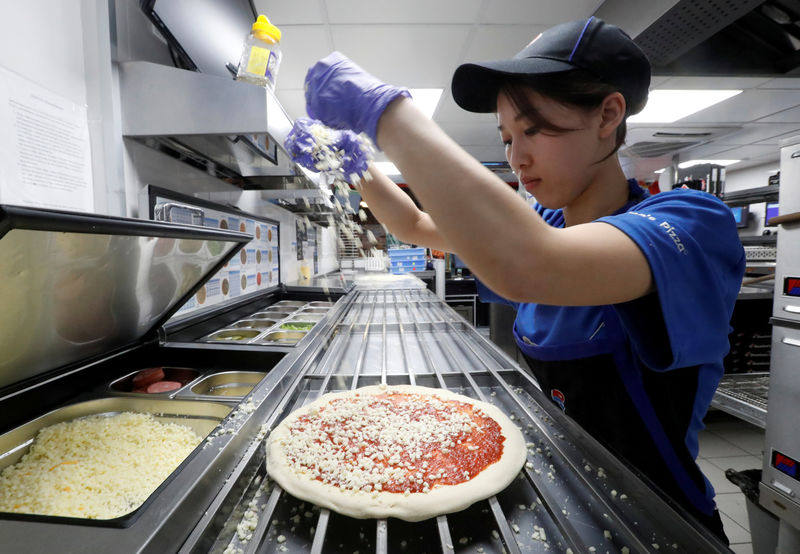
x=45, y=155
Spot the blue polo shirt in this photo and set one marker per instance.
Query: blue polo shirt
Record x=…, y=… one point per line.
x=697, y=261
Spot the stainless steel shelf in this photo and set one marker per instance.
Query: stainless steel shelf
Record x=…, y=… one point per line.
x=744, y=396
x=750, y=196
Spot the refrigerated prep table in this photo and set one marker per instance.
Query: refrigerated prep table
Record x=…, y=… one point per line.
x=571, y=494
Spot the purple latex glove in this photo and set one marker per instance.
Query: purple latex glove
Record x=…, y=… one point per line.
x=319, y=148
x=344, y=96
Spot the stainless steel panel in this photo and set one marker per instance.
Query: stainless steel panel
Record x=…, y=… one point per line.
x=784, y=398
x=254, y=323
x=233, y=335
x=787, y=265
x=296, y=325
x=788, y=257
x=291, y=303
x=228, y=384
x=272, y=314
x=790, y=177
x=282, y=337
x=158, y=100
x=303, y=316
x=70, y=296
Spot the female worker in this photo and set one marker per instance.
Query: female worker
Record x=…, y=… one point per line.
x=623, y=300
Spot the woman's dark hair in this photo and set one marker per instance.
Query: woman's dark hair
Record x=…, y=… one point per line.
x=576, y=88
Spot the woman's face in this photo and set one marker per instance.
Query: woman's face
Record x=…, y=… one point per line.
x=554, y=166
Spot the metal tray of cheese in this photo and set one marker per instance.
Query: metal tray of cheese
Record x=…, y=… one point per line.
x=201, y=417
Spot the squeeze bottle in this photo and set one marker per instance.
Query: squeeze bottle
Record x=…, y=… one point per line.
x=261, y=55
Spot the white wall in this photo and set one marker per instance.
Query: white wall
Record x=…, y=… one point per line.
x=43, y=42
x=64, y=46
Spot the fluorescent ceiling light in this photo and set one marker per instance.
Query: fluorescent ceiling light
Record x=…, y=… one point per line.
x=666, y=106
x=426, y=99
x=363, y=204
x=660, y=171
x=690, y=163
x=387, y=168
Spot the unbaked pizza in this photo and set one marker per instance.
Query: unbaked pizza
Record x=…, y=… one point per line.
x=395, y=451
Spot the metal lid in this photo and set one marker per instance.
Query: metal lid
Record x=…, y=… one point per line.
x=75, y=286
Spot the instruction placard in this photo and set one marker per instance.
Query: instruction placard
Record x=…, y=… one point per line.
x=45, y=153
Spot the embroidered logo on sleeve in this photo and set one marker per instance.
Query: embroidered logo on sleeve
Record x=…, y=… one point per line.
x=671, y=232
x=673, y=235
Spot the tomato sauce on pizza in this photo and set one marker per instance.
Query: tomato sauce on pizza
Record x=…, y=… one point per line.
x=402, y=451
x=396, y=442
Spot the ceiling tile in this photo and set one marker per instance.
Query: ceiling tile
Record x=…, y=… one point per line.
x=707, y=150
x=410, y=55
x=782, y=82
x=540, y=12
x=748, y=106
x=787, y=116
x=735, y=153
x=296, y=12
x=497, y=42
x=777, y=140
x=448, y=111
x=711, y=83
x=761, y=133
x=301, y=46
x=744, y=164
x=643, y=168
x=478, y=133
x=293, y=101
x=656, y=81
x=487, y=153
x=407, y=11
x=419, y=43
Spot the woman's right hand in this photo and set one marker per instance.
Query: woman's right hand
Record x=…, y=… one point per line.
x=344, y=96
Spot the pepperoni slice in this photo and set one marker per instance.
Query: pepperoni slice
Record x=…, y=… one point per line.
x=147, y=377
x=163, y=386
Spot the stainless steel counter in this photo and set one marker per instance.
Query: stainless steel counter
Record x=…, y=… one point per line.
x=571, y=494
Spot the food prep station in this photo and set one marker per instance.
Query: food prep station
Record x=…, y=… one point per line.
x=572, y=493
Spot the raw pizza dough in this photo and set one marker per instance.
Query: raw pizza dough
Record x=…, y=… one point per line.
x=395, y=451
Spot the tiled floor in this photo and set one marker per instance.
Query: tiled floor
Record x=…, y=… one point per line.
x=729, y=442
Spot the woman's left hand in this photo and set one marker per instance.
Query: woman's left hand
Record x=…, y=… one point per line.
x=319, y=148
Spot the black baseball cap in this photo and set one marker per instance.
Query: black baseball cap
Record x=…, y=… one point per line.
x=593, y=45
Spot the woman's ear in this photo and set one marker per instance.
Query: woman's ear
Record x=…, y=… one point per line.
x=612, y=112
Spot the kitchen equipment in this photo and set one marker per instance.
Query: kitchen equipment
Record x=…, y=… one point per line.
x=780, y=484
x=88, y=303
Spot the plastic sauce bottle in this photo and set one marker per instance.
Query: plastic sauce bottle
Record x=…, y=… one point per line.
x=261, y=55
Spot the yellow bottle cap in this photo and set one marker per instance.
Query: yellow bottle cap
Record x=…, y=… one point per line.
x=262, y=26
